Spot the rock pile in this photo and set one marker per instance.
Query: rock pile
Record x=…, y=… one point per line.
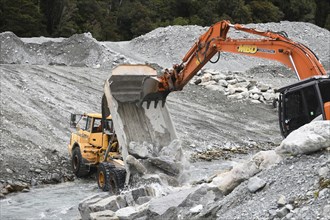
x=148, y=163
x=227, y=195
x=235, y=86
x=10, y=187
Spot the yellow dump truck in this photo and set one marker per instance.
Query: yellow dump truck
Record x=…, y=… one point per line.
x=94, y=146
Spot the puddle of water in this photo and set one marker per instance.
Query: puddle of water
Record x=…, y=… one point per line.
x=48, y=202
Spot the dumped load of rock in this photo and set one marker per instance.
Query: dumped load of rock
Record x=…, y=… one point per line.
x=151, y=164
x=227, y=195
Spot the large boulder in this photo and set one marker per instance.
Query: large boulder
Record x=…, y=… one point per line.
x=168, y=206
x=84, y=208
x=229, y=180
x=307, y=139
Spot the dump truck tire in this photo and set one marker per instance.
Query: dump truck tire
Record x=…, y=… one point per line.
x=78, y=166
x=117, y=180
x=103, y=175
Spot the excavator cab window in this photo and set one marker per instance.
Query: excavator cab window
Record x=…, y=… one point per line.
x=302, y=104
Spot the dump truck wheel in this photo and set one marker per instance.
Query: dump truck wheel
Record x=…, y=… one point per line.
x=78, y=166
x=117, y=180
x=103, y=175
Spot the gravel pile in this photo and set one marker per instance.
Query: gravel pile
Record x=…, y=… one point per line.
x=168, y=45
x=79, y=50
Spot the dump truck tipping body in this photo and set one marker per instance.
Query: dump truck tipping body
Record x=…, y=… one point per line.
x=133, y=121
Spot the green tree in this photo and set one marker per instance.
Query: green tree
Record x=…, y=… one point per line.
x=67, y=23
x=53, y=10
x=236, y=11
x=297, y=10
x=265, y=11
x=322, y=13
x=22, y=17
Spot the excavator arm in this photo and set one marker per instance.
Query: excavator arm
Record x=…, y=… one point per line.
x=273, y=45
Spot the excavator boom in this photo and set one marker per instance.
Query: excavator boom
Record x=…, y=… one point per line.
x=273, y=45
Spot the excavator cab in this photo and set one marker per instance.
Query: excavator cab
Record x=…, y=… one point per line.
x=303, y=102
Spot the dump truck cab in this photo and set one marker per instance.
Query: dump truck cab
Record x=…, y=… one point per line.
x=93, y=142
x=303, y=102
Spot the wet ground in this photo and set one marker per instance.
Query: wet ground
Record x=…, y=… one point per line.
x=48, y=202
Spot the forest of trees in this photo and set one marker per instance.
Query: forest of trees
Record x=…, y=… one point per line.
x=125, y=19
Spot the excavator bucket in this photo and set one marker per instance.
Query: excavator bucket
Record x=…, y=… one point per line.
x=136, y=83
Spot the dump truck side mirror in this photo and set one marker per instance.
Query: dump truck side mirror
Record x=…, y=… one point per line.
x=73, y=122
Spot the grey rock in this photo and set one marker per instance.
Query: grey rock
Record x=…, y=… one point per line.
x=206, y=77
x=255, y=90
x=160, y=206
x=9, y=171
x=143, y=199
x=255, y=96
x=37, y=171
x=268, y=96
x=109, y=203
x=135, y=166
x=255, y=101
x=324, y=172
x=235, y=96
x=121, y=201
x=140, y=150
x=289, y=206
x=196, y=209
x=232, y=81
x=282, y=201
x=282, y=212
x=223, y=83
x=306, y=139
x=263, y=87
x=227, y=181
x=166, y=164
x=132, y=196
x=103, y=215
x=255, y=184
x=129, y=213
x=25, y=190
x=83, y=206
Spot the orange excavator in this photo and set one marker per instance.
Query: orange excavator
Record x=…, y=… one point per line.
x=299, y=103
